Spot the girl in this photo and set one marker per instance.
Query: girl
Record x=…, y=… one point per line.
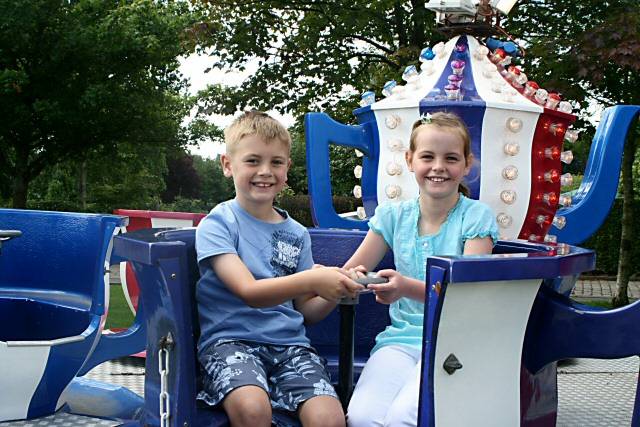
x=440, y=221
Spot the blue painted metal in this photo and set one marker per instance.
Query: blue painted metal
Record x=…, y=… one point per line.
x=323, y=131
x=510, y=261
x=97, y=399
x=437, y=286
x=598, y=189
x=167, y=271
x=54, y=276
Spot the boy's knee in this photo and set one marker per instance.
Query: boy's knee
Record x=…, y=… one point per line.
x=250, y=413
x=322, y=411
x=248, y=407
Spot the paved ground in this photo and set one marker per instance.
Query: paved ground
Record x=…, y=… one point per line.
x=596, y=288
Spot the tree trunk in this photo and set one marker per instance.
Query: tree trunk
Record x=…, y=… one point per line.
x=624, y=259
x=82, y=184
x=22, y=178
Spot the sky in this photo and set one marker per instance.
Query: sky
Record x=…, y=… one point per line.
x=193, y=68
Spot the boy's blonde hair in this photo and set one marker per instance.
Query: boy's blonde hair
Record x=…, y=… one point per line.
x=255, y=123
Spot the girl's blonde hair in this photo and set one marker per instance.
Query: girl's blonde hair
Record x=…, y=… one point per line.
x=452, y=123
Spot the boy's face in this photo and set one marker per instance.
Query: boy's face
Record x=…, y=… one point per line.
x=259, y=170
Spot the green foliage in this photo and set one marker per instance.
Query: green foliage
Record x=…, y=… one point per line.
x=607, y=241
x=135, y=184
x=87, y=75
x=298, y=207
x=312, y=55
x=215, y=187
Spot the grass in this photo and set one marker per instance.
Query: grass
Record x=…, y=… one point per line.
x=120, y=315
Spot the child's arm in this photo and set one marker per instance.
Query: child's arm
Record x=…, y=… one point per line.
x=478, y=246
x=402, y=286
x=329, y=283
x=369, y=253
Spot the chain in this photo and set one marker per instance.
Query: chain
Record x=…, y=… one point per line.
x=165, y=344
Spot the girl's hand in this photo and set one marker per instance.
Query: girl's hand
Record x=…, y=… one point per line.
x=387, y=293
x=356, y=272
x=333, y=283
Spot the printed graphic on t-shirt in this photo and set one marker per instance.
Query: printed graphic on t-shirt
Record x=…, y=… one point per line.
x=285, y=252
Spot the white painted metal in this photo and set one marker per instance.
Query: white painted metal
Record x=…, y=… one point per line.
x=483, y=325
x=21, y=370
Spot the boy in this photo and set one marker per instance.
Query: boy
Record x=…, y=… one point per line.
x=254, y=260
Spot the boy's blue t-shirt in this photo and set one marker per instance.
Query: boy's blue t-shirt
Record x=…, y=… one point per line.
x=397, y=223
x=268, y=250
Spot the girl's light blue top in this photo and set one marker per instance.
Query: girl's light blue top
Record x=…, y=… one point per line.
x=397, y=223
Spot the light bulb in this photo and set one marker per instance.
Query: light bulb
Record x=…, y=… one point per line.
x=533, y=238
x=556, y=128
x=550, y=238
x=514, y=124
x=504, y=220
x=395, y=145
x=481, y=52
x=566, y=157
x=361, y=213
x=565, y=107
x=393, y=168
x=552, y=153
x=511, y=148
x=559, y=222
x=510, y=172
x=542, y=220
x=392, y=121
x=357, y=192
x=367, y=98
x=566, y=180
x=571, y=135
x=508, y=196
x=387, y=89
x=550, y=199
x=357, y=171
x=541, y=96
x=427, y=67
x=410, y=74
x=392, y=191
x=439, y=50
x=552, y=176
x=489, y=69
x=565, y=200
x=563, y=249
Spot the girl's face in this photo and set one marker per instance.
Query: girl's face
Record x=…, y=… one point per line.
x=438, y=162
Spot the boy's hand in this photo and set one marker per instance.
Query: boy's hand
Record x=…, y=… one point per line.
x=387, y=293
x=333, y=283
x=357, y=272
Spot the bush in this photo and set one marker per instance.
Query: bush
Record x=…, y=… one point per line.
x=606, y=242
x=299, y=207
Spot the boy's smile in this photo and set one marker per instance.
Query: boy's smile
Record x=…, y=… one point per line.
x=259, y=170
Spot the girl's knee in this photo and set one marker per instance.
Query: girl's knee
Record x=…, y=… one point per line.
x=359, y=416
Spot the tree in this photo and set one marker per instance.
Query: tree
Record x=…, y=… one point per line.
x=313, y=54
x=590, y=50
x=84, y=75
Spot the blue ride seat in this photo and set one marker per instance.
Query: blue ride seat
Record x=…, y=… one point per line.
x=494, y=325
x=52, y=304
x=165, y=263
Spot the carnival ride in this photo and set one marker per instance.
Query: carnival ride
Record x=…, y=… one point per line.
x=494, y=325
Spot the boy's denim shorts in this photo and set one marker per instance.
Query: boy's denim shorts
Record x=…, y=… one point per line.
x=289, y=374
